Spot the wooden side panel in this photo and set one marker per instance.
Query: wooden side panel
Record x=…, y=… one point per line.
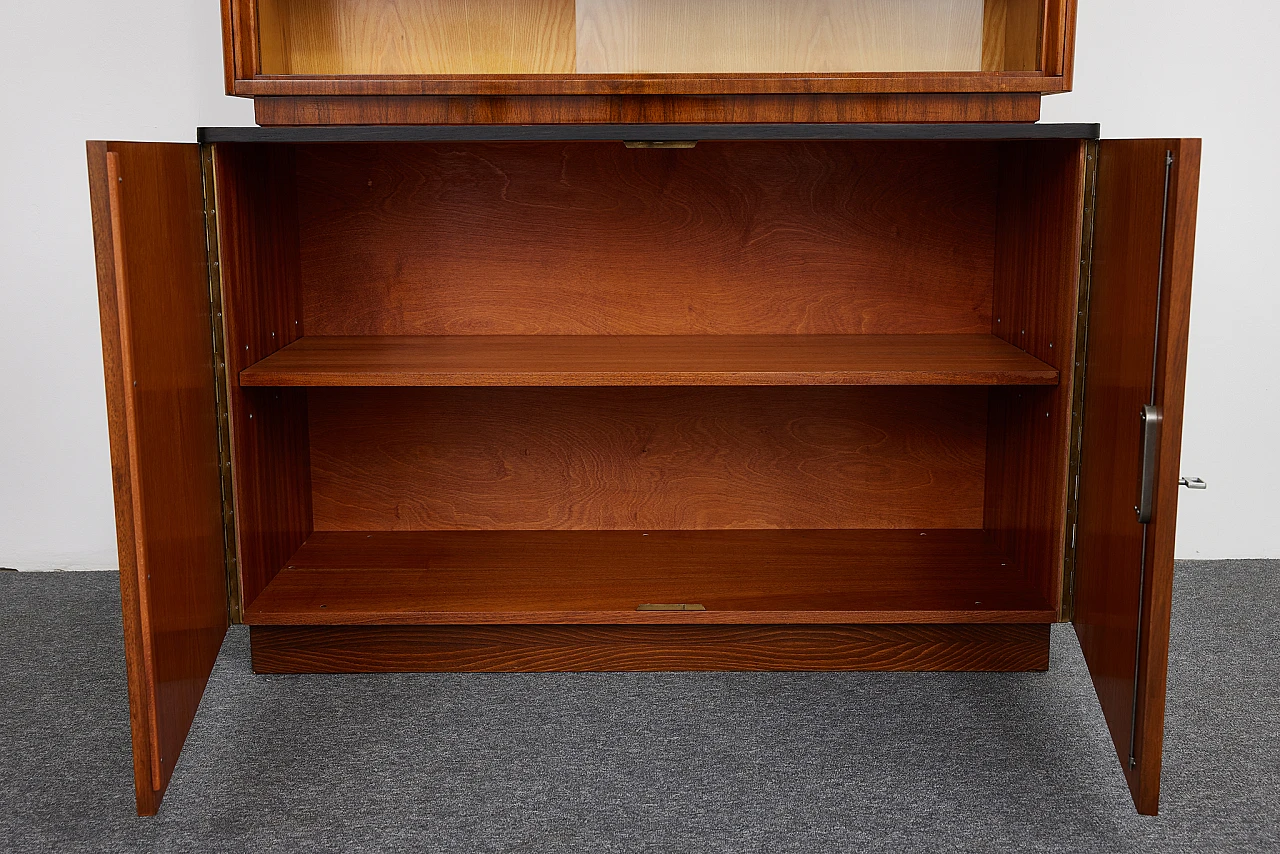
x=153, y=289
x=1058, y=44
x=778, y=36
x=1139, y=311
x=496, y=649
x=284, y=109
x=228, y=47
x=262, y=312
x=393, y=37
x=586, y=238
x=1035, y=305
x=647, y=459
x=1012, y=31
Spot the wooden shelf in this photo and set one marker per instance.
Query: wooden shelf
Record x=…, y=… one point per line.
x=602, y=577
x=585, y=360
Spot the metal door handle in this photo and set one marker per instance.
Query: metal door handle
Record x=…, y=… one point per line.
x=1151, y=419
x=1193, y=483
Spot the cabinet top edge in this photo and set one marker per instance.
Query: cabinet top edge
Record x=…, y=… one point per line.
x=650, y=132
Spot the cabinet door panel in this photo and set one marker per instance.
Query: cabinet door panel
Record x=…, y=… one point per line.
x=1137, y=351
x=153, y=290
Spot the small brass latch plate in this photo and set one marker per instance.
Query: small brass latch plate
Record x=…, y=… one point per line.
x=670, y=608
x=660, y=143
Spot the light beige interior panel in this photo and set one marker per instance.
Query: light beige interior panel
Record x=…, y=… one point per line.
x=785, y=36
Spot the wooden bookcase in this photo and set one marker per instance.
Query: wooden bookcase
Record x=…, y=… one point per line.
x=538, y=61
x=541, y=382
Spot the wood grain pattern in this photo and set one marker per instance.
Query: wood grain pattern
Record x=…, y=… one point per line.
x=646, y=459
x=592, y=238
x=228, y=47
x=601, y=577
x=261, y=312
x=781, y=36
x=690, y=86
x=649, y=360
x=368, y=649
x=1012, y=34
x=1139, y=312
x=635, y=109
x=397, y=37
x=384, y=41
x=1036, y=301
x=149, y=235
x=1062, y=59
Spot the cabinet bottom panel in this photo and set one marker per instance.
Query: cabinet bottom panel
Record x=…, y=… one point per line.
x=494, y=649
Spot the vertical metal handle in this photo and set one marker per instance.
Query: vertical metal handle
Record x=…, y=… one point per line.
x=1151, y=419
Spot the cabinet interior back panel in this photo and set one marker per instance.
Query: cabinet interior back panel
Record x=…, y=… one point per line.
x=593, y=238
x=647, y=458
x=398, y=37
x=780, y=36
x=391, y=37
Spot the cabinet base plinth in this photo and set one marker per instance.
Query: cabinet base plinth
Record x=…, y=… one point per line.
x=514, y=648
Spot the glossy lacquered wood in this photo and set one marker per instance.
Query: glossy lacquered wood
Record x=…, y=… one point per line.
x=257, y=229
x=893, y=108
x=386, y=38
x=647, y=458
x=602, y=577
x=593, y=238
x=622, y=360
x=149, y=234
x=536, y=47
x=390, y=649
x=391, y=38
x=1035, y=306
x=1139, y=312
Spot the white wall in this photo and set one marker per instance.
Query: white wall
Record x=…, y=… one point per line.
x=151, y=70
x=1184, y=68
x=77, y=70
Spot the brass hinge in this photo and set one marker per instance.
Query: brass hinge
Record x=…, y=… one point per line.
x=1079, y=375
x=220, y=384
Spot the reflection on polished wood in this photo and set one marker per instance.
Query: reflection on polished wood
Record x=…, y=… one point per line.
x=588, y=360
x=586, y=577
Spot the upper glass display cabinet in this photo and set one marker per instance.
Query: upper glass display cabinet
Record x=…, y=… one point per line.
x=450, y=61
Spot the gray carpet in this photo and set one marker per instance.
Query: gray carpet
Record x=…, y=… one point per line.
x=636, y=762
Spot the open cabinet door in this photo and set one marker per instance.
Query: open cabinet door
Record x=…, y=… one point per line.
x=1139, y=307
x=153, y=291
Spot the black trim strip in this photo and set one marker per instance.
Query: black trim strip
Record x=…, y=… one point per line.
x=648, y=132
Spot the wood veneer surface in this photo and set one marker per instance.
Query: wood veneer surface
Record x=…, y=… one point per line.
x=1139, y=318
x=368, y=649
x=547, y=360
x=590, y=577
x=781, y=36
x=395, y=37
x=149, y=235
x=290, y=108
x=583, y=238
x=1012, y=33
x=647, y=458
x=497, y=37
x=1036, y=301
x=262, y=312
